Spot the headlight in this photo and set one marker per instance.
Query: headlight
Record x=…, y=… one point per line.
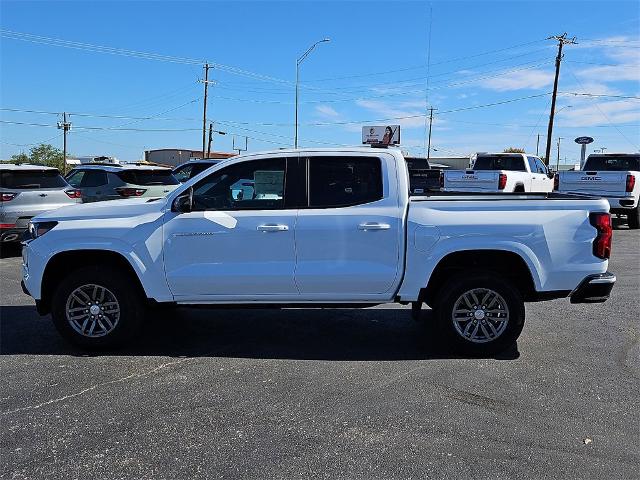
x=37, y=229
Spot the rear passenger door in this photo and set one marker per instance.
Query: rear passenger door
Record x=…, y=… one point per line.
x=349, y=233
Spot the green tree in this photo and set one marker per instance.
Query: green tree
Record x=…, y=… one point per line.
x=513, y=150
x=42, y=154
x=46, y=154
x=19, y=158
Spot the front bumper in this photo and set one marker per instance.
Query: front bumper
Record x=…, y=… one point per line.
x=594, y=288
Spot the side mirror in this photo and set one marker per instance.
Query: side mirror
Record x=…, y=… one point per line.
x=184, y=202
x=551, y=174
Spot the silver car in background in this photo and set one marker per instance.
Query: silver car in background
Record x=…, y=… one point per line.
x=99, y=182
x=27, y=190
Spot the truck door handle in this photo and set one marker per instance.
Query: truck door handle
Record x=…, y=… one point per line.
x=374, y=226
x=273, y=228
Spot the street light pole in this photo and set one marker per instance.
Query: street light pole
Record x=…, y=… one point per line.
x=298, y=62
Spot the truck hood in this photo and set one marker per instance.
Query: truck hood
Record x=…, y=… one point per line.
x=102, y=210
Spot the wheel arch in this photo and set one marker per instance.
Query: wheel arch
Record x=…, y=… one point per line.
x=508, y=264
x=68, y=261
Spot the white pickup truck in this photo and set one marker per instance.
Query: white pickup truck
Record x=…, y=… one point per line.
x=317, y=228
x=500, y=172
x=614, y=176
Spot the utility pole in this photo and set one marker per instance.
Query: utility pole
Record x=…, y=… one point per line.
x=431, y=109
x=558, y=161
x=65, y=126
x=210, y=140
x=211, y=132
x=538, y=146
x=204, y=109
x=602, y=149
x=562, y=40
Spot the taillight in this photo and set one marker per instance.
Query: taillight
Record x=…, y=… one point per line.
x=131, y=192
x=8, y=196
x=7, y=225
x=602, y=243
x=502, y=181
x=556, y=181
x=73, y=193
x=631, y=182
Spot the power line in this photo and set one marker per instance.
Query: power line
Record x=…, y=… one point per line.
x=635, y=146
x=56, y=42
x=630, y=97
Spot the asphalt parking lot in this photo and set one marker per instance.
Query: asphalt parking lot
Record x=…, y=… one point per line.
x=325, y=394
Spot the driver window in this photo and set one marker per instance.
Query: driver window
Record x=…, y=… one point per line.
x=253, y=185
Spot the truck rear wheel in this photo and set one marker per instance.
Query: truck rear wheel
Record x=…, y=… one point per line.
x=633, y=218
x=96, y=308
x=479, y=313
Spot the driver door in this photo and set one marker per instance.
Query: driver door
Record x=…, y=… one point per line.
x=238, y=240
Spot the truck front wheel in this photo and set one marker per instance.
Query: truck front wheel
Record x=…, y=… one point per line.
x=479, y=313
x=96, y=307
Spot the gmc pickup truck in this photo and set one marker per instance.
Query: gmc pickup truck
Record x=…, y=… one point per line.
x=317, y=228
x=500, y=172
x=614, y=176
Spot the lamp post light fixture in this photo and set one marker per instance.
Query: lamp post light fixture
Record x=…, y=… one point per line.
x=298, y=62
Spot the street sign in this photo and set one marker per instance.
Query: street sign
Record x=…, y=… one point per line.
x=583, y=140
x=381, y=135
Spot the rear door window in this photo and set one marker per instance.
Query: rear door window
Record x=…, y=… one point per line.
x=344, y=181
x=87, y=178
x=500, y=162
x=148, y=177
x=31, y=179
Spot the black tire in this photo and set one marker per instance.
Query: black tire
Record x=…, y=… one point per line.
x=509, y=301
x=519, y=189
x=633, y=218
x=116, y=284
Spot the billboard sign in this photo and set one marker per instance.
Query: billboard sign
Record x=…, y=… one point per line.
x=381, y=135
x=583, y=140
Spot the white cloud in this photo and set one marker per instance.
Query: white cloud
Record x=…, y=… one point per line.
x=386, y=110
x=327, y=112
x=519, y=80
x=601, y=113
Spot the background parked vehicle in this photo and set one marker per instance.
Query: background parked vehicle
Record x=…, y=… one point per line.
x=100, y=182
x=323, y=227
x=192, y=168
x=424, y=176
x=27, y=190
x=501, y=172
x=614, y=176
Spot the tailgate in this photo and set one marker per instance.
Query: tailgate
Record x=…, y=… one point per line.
x=471, y=180
x=600, y=183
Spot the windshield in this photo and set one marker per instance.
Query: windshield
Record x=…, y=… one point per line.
x=500, y=162
x=622, y=163
x=148, y=177
x=31, y=179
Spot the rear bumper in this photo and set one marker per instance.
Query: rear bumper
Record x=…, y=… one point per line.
x=11, y=235
x=594, y=288
x=622, y=204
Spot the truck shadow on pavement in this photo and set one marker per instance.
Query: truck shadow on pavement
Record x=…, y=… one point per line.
x=299, y=334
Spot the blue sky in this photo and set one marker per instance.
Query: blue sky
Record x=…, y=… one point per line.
x=375, y=68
